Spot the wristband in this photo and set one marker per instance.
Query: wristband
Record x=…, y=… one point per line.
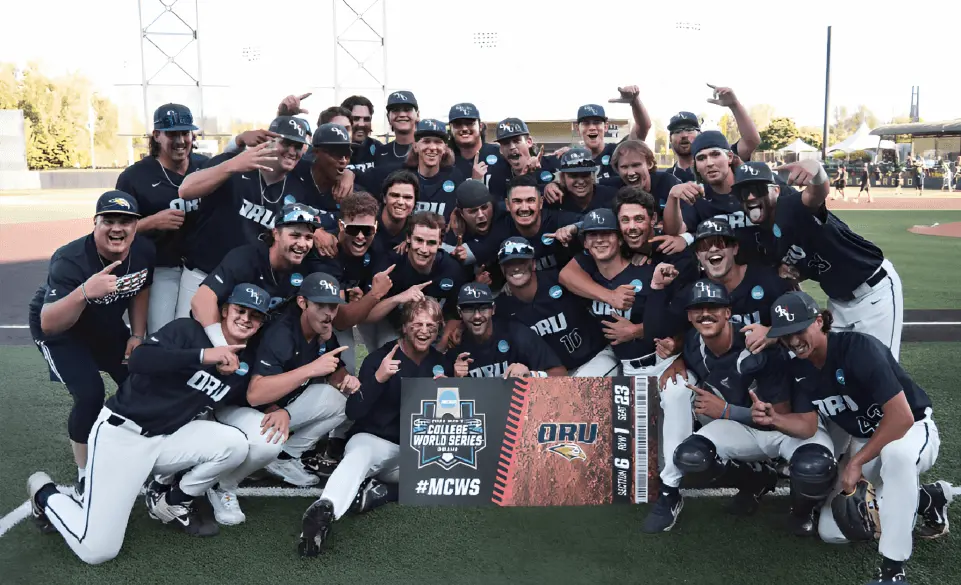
x=821, y=177
x=140, y=337
x=83, y=291
x=687, y=237
x=201, y=356
x=724, y=412
x=216, y=335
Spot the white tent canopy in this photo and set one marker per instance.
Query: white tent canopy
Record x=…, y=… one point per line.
x=862, y=140
x=797, y=147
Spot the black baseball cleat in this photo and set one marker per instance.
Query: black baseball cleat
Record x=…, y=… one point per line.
x=756, y=482
x=934, y=518
x=316, y=528
x=372, y=494
x=890, y=576
x=319, y=464
x=78, y=489
x=803, y=522
x=34, y=484
x=184, y=516
x=664, y=512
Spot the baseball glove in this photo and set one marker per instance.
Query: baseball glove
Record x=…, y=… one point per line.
x=857, y=513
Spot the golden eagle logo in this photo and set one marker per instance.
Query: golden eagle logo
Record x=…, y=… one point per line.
x=121, y=202
x=569, y=451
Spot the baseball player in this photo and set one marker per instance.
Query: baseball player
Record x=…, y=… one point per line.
x=402, y=116
x=472, y=220
x=855, y=382
x=373, y=448
x=298, y=389
x=273, y=264
x=863, y=288
x=635, y=165
x=472, y=157
x=364, y=145
x=153, y=182
x=423, y=270
x=240, y=194
x=154, y=424
x=517, y=158
x=536, y=299
x=684, y=127
x=398, y=198
x=76, y=319
x=332, y=152
x=492, y=348
x=727, y=374
x=433, y=161
x=580, y=191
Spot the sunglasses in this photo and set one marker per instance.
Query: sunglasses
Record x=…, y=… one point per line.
x=473, y=309
x=337, y=152
x=743, y=192
x=354, y=229
x=299, y=215
x=175, y=119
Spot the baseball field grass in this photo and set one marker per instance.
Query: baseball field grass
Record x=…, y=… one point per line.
x=402, y=545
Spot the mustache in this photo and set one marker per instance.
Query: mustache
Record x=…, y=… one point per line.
x=706, y=319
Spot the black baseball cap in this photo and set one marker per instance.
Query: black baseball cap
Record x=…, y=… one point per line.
x=577, y=160
x=511, y=127
x=297, y=213
x=173, y=118
x=683, y=120
x=464, y=111
x=475, y=293
x=291, y=128
x=331, y=135
x=320, y=287
x=792, y=312
x=401, y=98
x=472, y=193
x=709, y=139
x=251, y=296
x=715, y=226
x=430, y=127
x=117, y=203
x=591, y=111
x=516, y=248
x=707, y=292
x=599, y=220
x=753, y=172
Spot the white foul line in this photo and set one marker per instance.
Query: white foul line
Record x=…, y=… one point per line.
x=21, y=513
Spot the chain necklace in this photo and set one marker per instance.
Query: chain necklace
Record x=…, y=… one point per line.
x=104, y=264
x=166, y=175
x=406, y=152
x=263, y=189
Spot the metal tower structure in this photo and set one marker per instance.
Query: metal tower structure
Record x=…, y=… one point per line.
x=362, y=45
x=915, y=103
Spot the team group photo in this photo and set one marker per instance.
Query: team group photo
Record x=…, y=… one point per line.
x=382, y=332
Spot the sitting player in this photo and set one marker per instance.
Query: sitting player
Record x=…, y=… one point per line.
x=150, y=426
x=373, y=447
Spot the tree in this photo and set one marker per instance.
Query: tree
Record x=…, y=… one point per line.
x=662, y=141
x=810, y=135
x=778, y=134
x=847, y=124
x=761, y=114
x=728, y=127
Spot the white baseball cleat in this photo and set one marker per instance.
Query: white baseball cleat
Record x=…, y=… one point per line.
x=292, y=471
x=226, y=507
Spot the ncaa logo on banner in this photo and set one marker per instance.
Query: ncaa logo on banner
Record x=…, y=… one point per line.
x=448, y=431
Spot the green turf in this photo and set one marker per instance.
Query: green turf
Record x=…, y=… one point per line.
x=926, y=264
x=401, y=545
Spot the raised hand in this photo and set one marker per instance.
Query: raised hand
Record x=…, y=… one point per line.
x=462, y=365
x=326, y=364
x=252, y=138
x=762, y=413
x=802, y=173
x=290, y=106
x=664, y=275
x=388, y=366
x=622, y=297
x=102, y=283
x=415, y=293
x=723, y=96
x=381, y=283
x=257, y=158
x=480, y=168
x=687, y=192
x=629, y=93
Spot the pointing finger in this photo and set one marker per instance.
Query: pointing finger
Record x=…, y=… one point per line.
x=390, y=269
x=393, y=351
x=423, y=286
x=305, y=96
x=754, y=397
x=109, y=268
x=340, y=349
x=476, y=157
x=712, y=86
x=463, y=355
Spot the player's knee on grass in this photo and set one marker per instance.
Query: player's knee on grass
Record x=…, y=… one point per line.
x=697, y=455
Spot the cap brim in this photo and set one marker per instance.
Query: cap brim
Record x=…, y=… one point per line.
x=463, y=118
x=516, y=257
x=180, y=128
x=327, y=299
x=754, y=180
x=246, y=304
x=580, y=170
x=116, y=212
x=790, y=328
x=703, y=302
x=683, y=127
x=579, y=120
x=476, y=302
x=295, y=138
x=399, y=104
x=441, y=135
x=504, y=137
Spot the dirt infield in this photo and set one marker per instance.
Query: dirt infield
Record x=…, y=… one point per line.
x=23, y=242
x=923, y=203
x=950, y=230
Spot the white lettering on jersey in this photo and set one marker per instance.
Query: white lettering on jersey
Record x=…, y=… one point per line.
x=554, y=324
x=737, y=219
x=128, y=285
x=750, y=319
x=871, y=419
x=258, y=214
x=491, y=371
x=605, y=310
x=433, y=207
x=209, y=385
x=834, y=405
x=185, y=206
x=546, y=262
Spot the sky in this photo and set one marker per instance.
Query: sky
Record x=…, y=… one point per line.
x=539, y=60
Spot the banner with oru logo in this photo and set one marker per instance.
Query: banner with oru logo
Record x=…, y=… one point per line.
x=528, y=442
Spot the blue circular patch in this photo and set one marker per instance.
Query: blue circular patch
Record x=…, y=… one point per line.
x=606, y=160
x=274, y=301
x=503, y=346
x=366, y=258
x=242, y=369
x=373, y=148
x=556, y=292
x=446, y=284
x=322, y=349
x=547, y=176
x=439, y=370
x=757, y=293
x=839, y=375
x=638, y=285
x=447, y=398
x=777, y=231
x=289, y=199
x=547, y=240
x=448, y=186
x=296, y=279
x=491, y=159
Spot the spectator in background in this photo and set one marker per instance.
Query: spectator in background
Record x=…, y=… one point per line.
x=865, y=184
x=840, y=182
x=918, y=165
x=948, y=182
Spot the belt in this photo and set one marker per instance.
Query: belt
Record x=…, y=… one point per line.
x=119, y=421
x=644, y=362
x=870, y=283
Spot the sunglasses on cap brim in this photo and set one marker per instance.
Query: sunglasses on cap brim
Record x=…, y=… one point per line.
x=757, y=188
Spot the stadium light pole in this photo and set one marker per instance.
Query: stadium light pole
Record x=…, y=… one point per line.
x=827, y=100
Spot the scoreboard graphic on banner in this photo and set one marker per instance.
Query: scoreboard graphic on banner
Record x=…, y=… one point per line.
x=528, y=442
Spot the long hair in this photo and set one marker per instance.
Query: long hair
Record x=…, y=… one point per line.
x=637, y=147
x=735, y=162
x=413, y=160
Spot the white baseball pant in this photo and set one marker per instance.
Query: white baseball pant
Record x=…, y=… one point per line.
x=120, y=460
x=895, y=476
x=190, y=281
x=349, y=355
x=603, y=365
x=313, y=414
x=164, y=292
x=877, y=311
x=365, y=455
x=743, y=443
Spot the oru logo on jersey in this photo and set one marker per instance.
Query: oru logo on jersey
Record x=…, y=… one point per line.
x=209, y=385
x=448, y=431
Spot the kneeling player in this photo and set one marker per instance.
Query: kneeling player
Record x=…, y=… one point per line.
x=716, y=352
x=149, y=426
x=373, y=449
x=854, y=381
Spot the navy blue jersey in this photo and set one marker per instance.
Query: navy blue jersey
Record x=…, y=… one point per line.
x=489, y=153
x=322, y=200
x=737, y=371
x=603, y=198
x=156, y=189
x=500, y=175
x=384, y=241
x=283, y=348
x=168, y=385
x=661, y=184
x=726, y=206
x=437, y=192
x=822, y=247
x=751, y=300
x=547, y=253
x=375, y=408
x=858, y=378
x=560, y=317
x=71, y=266
x=510, y=342
x=603, y=160
x=362, y=162
x=446, y=278
x=683, y=175
x=239, y=212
